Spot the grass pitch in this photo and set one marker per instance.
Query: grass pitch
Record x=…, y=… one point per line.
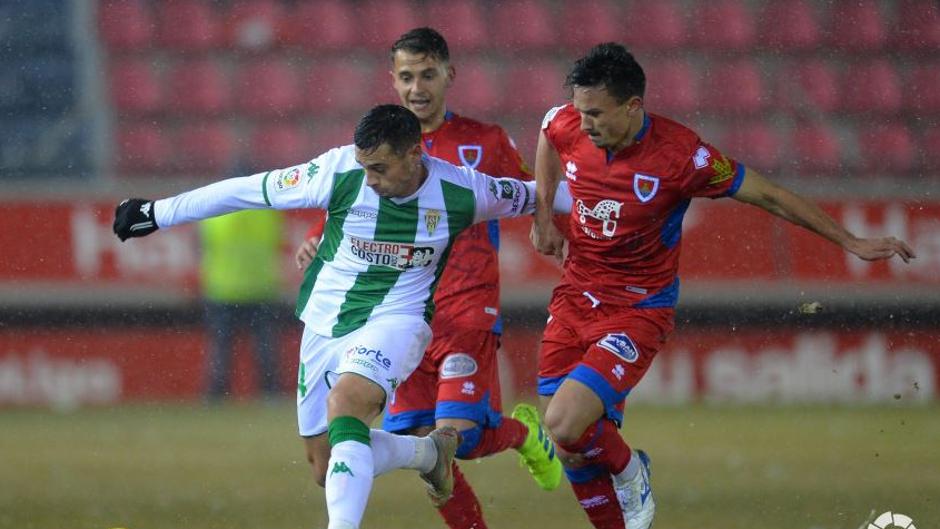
x=242, y=466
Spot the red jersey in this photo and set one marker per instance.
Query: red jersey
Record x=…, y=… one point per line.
x=468, y=293
x=626, y=216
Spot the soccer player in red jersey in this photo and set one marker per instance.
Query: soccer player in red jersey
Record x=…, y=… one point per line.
x=632, y=175
x=457, y=383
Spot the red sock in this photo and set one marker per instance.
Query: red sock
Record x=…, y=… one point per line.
x=462, y=510
x=602, y=445
x=510, y=434
x=599, y=501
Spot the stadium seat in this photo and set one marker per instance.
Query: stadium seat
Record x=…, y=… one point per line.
x=754, y=144
x=930, y=148
x=333, y=134
x=918, y=25
x=383, y=21
x=340, y=86
x=322, y=25
x=789, y=25
x=816, y=148
x=872, y=87
x=810, y=86
x=734, y=87
x=136, y=87
x=266, y=87
x=857, y=25
x=142, y=148
x=462, y=22
x=125, y=24
x=477, y=90
x=922, y=91
x=253, y=24
x=282, y=145
x=199, y=87
x=655, y=25
x=524, y=24
x=723, y=24
x=671, y=87
x=587, y=22
x=886, y=149
x=206, y=148
x=532, y=87
x=188, y=25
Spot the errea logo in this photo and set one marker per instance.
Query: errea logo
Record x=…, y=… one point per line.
x=570, y=170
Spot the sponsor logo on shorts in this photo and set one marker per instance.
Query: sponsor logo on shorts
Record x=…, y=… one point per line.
x=372, y=358
x=287, y=179
x=401, y=256
x=621, y=345
x=458, y=365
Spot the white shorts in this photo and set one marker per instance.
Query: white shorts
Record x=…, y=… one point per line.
x=386, y=351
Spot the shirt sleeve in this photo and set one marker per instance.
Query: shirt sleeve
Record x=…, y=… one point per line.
x=501, y=197
x=709, y=173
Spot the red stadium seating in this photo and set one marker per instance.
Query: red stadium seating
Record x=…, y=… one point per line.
x=918, y=25
x=734, y=87
x=207, y=148
x=587, y=22
x=857, y=25
x=281, y=145
x=872, y=87
x=930, y=147
x=477, y=89
x=199, y=87
x=754, y=144
x=339, y=86
x=125, y=24
x=383, y=21
x=886, y=149
x=657, y=25
x=333, y=134
x=533, y=87
x=253, y=24
x=136, y=87
x=188, y=25
x=922, y=91
x=790, y=25
x=324, y=24
x=809, y=85
x=816, y=148
x=269, y=88
x=462, y=22
x=671, y=87
x=723, y=24
x=524, y=24
x=142, y=148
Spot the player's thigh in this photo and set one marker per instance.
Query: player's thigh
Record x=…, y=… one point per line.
x=572, y=409
x=353, y=395
x=468, y=379
x=319, y=359
x=318, y=455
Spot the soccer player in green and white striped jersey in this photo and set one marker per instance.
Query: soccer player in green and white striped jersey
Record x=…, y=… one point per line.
x=368, y=296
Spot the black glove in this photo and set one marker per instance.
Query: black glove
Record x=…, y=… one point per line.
x=134, y=218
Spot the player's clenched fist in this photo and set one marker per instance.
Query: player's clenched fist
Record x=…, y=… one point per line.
x=134, y=218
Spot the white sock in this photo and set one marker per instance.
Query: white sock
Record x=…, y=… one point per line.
x=348, y=483
x=627, y=474
x=391, y=451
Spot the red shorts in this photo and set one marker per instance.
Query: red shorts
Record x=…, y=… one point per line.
x=457, y=379
x=608, y=348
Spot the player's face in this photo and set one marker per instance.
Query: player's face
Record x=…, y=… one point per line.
x=421, y=81
x=390, y=174
x=608, y=123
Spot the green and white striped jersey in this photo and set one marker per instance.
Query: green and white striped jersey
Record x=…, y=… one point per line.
x=377, y=255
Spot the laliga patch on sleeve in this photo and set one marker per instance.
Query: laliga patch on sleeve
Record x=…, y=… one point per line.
x=287, y=179
x=458, y=365
x=621, y=345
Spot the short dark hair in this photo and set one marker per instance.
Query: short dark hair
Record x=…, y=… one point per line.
x=423, y=41
x=392, y=124
x=611, y=65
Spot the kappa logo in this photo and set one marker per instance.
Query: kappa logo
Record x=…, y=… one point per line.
x=145, y=208
x=621, y=345
x=470, y=155
x=458, y=365
x=570, y=170
x=607, y=211
x=645, y=187
x=312, y=171
x=340, y=467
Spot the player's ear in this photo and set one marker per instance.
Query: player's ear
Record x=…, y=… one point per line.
x=634, y=104
x=451, y=74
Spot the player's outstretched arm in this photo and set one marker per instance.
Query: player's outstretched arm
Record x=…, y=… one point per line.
x=783, y=203
x=545, y=236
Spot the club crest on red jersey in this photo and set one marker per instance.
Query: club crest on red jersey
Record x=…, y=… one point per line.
x=470, y=155
x=645, y=187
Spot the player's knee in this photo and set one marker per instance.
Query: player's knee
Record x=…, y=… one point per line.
x=349, y=403
x=561, y=426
